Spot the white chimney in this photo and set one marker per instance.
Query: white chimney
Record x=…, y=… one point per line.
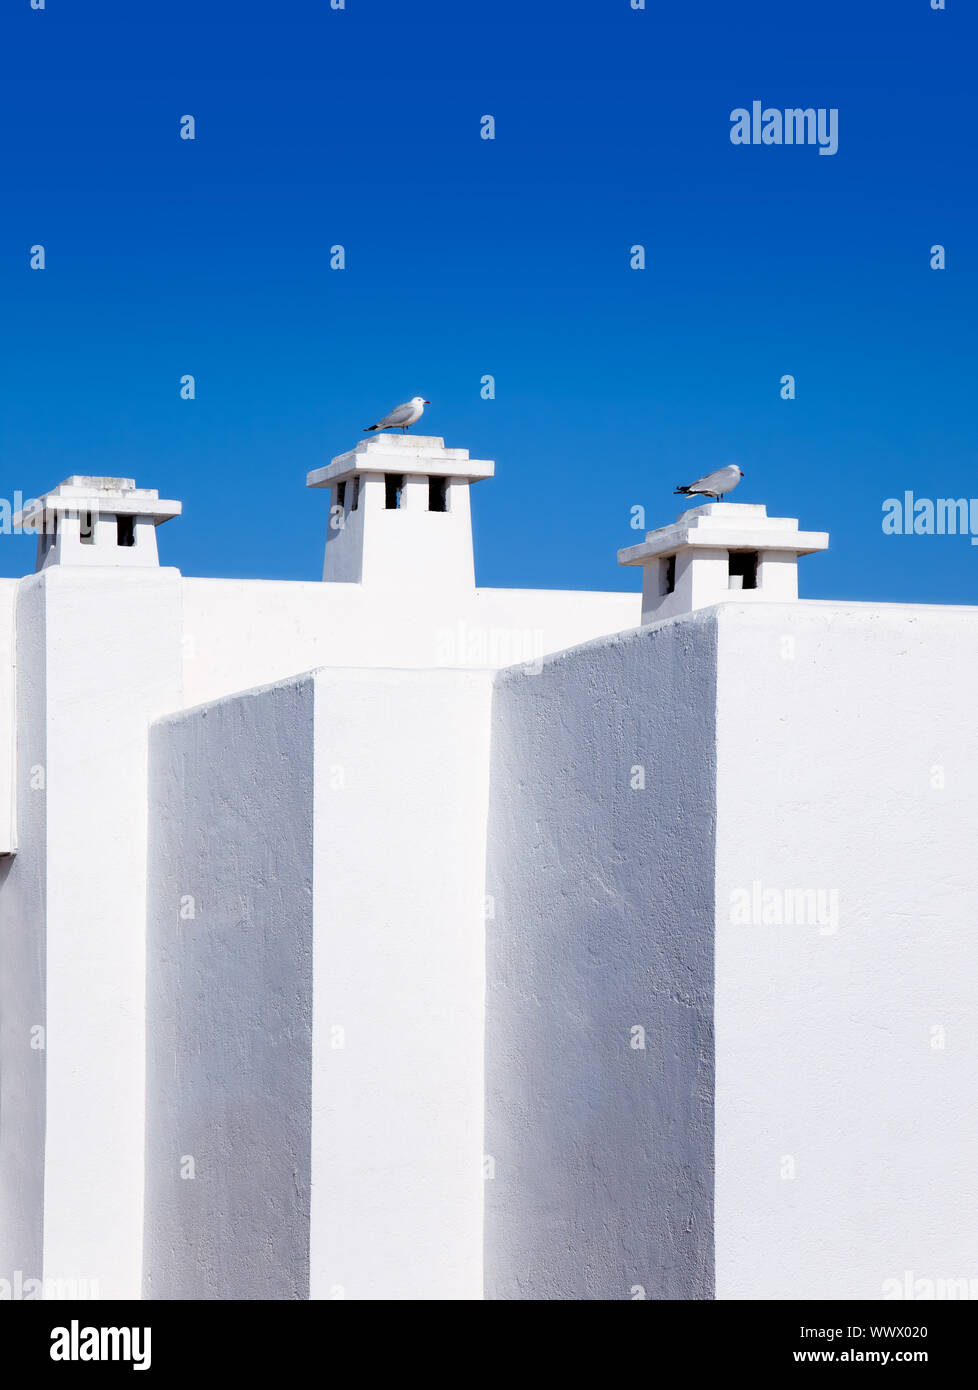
x=723, y=550
x=97, y=521
x=399, y=513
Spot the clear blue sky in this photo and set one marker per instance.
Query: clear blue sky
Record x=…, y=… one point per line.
x=508, y=257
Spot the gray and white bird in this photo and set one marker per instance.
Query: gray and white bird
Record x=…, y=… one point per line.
x=714, y=484
x=402, y=417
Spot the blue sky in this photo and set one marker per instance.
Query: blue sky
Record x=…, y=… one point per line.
x=510, y=257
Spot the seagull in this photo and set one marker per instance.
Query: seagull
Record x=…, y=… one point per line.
x=714, y=484
x=403, y=416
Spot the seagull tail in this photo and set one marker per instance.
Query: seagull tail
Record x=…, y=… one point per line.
x=684, y=490
x=371, y=427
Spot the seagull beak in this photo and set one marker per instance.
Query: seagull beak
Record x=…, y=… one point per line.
x=426, y=402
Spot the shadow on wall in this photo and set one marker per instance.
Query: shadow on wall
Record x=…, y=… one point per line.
x=600, y=1053
x=229, y=1000
x=22, y=1058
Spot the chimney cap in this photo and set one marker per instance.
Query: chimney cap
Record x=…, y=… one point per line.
x=423, y=454
x=85, y=493
x=726, y=526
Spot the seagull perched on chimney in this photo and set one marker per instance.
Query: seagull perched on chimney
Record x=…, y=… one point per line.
x=714, y=484
x=402, y=416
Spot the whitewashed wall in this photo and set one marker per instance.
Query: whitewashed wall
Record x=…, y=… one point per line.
x=402, y=785
x=603, y=892
x=335, y=847
x=112, y=645
x=22, y=965
x=9, y=589
x=98, y=656
x=243, y=633
x=229, y=999
x=846, y=1057
x=847, y=1051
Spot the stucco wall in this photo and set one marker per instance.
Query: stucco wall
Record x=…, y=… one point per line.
x=846, y=1146
x=9, y=589
x=112, y=643
x=846, y=1057
x=244, y=633
x=603, y=899
x=402, y=783
x=316, y=1033
x=229, y=999
x=22, y=965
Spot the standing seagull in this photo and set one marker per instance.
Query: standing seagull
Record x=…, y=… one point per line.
x=714, y=484
x=403, y=416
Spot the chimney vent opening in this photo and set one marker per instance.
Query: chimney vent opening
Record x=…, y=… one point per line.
x=86, y=528
x=668, y=572
x=438, y=494
x=742, y=569
x=393, y=486
x=125, y=527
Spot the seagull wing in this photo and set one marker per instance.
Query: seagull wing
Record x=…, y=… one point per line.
x=401, y=415
x=712, y=482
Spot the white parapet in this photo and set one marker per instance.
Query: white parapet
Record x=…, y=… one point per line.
x=720, y=551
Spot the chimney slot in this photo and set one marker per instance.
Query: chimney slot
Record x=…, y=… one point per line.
x=438, y=494
x=354, y=505
x=86, y=528
x=125, y=527
x=393, y=485
x=668, y=571
x=743, y=568
x=341, y=494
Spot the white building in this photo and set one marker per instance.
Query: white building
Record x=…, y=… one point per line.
x=386, y=937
